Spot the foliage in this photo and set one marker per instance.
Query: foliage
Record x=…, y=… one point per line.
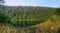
x=2, y=2
x=27, y=15
x=59, y=30
x=4, y=18
x=23, y=16
x=57, y=12
x=56, y=15
x=46, y=27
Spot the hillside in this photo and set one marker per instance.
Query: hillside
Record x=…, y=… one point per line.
x=24, y=14
x=27, y=11
x=29, y=19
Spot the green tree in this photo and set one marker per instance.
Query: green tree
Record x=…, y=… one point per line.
x=2, y=2
x=4, y=18
x=57, y=12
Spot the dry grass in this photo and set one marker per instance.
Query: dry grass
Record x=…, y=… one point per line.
x=46, y=27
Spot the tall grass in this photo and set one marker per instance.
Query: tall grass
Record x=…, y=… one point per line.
x=46, y=27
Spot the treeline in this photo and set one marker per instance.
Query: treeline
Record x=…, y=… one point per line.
x=26, y=15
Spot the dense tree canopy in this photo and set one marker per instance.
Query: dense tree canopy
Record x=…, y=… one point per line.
x=4, y=18
x=26, y=15
x=57, y=12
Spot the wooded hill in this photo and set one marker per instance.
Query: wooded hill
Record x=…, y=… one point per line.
x=31, y=14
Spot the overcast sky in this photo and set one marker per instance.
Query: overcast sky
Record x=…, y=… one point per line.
x=47, y=3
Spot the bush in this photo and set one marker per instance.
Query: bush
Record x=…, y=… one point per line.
x=4, y=18
x=59, y=30
x=57, y=12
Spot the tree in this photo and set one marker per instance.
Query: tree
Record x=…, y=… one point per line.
x=57, y=12
x=58, y=30
x=4, y=18
x=2, y=2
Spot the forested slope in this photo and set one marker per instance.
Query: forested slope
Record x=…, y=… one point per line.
x=29, y=15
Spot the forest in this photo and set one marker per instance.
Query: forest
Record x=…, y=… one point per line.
x=25, y=15
x=29, y=19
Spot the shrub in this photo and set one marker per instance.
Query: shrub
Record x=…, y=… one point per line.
x=57, y=12
x=4, y=18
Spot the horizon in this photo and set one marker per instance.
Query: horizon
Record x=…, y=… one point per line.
x=43, y=3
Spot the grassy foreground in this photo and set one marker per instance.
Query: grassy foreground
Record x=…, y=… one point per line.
x=46, y=27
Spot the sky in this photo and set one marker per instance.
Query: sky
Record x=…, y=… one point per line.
x=46, y=3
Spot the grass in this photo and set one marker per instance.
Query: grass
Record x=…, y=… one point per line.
x=28, y=21
x=45, y=27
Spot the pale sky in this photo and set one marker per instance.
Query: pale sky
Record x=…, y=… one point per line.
x=47, y=3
